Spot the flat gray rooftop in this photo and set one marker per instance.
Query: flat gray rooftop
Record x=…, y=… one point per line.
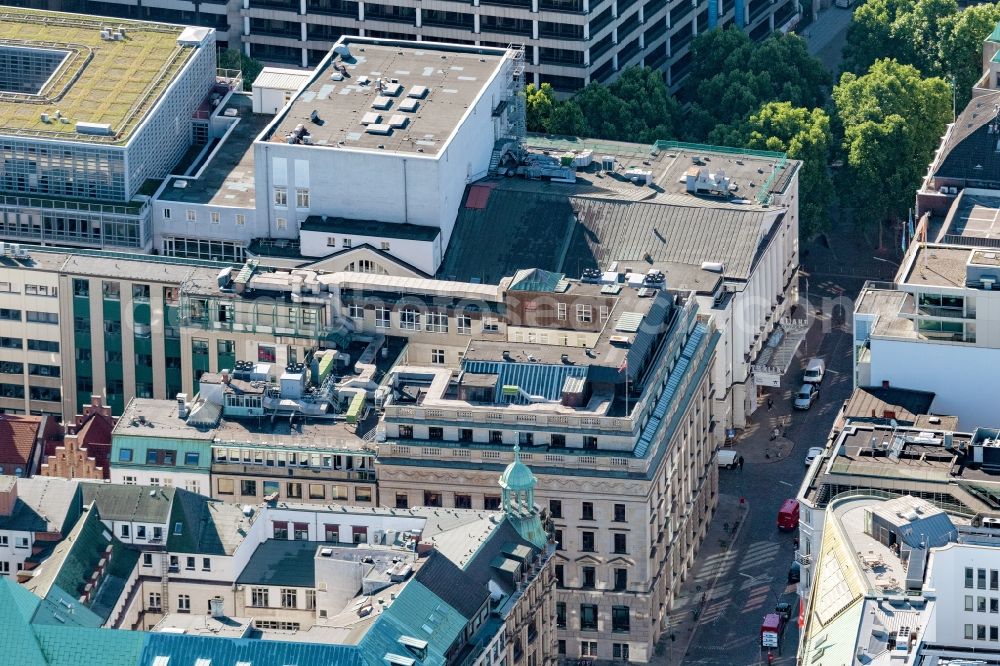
x=228, y=178
x=939, y=267
x=974, y=216
x=156, y=418
x=332, y=435
x=453, y=76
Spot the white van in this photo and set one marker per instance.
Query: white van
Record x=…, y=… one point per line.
x=815, y=370
x=727, y=458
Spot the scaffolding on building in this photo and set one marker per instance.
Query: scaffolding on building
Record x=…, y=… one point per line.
x=510, y=134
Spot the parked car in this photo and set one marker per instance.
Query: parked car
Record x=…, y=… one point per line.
x=815, y=371
x=784, y=611
x=805, y=396
x=727, y=458
x=813, y=453
x=794, y=573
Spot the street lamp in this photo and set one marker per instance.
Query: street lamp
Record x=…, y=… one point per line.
x=886, y=261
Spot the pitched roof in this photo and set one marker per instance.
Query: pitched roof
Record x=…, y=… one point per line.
x=588, y=232
x=281, y=562
x=969, y=147
x=142, y=504
x=16, y=610
x=207, y=526
x=185, y=650
x=442, y=577
x=62, y=579
x=418, y=613
x=44, y=504
x=872, y=402
x=18, y=435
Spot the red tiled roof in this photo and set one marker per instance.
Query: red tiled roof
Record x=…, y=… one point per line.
x=95, y=436
x=17, y=439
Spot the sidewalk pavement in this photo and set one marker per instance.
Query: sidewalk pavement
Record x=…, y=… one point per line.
x=695, y=600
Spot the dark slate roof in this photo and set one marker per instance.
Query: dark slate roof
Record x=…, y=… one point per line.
x=560, y=233
x=207, y=526
x=443, y=577
x=282, y=562
x=141, y=504
x=341, y=225
x=907, y=404
x=969, y=150
x=44, y=504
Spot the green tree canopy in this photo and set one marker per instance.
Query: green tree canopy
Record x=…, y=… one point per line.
x=871, y=35
x=236, y=59
x=960, y=51
x=803, y=134
x=637, y=107
x=892, y=121
x=734, y=75
x=539, y=104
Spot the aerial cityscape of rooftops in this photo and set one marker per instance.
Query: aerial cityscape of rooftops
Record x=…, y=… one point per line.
x=392, y=333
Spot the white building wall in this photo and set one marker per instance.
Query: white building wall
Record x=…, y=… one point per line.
x=389, y=187
x=958, y=374
x=946, y=582
x=419, y=254
x=193, y=481
x=15, y=547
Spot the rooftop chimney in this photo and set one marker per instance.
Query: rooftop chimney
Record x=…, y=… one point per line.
x=8, y=497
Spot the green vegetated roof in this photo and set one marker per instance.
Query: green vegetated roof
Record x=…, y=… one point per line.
x=100, y=81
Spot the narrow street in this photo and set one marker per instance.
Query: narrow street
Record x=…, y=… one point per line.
x=738, y=581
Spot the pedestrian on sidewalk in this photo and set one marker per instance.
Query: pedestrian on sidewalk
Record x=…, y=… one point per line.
x=770, y=403
x=739, y=463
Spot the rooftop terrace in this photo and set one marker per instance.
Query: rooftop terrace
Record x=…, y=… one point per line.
x=428, y=89
x=104, y=81
x=228, y=177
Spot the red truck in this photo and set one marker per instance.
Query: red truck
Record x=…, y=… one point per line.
x=770, y=630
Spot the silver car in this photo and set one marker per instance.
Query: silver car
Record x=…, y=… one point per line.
x=805, y=396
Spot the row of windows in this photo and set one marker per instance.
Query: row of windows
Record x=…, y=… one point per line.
x=462, y=501
x=346, y=242
x=979, y=577
x=588, y=577
x=587, y=511
x=619, y=651
x=620, y=617
x=588, y=542
x=331, y=532
x=980, y=632
x=163, y=457
x=191, y=215
x=29, y=289
x=290, y=459
x=978, y=604
x=260, y=597
x=31, y=316
x=555, y=440
x=294, y=490
x=412, y=319
x=301, y=197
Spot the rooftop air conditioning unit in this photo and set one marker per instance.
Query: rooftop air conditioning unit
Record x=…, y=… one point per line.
x=987, y=283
